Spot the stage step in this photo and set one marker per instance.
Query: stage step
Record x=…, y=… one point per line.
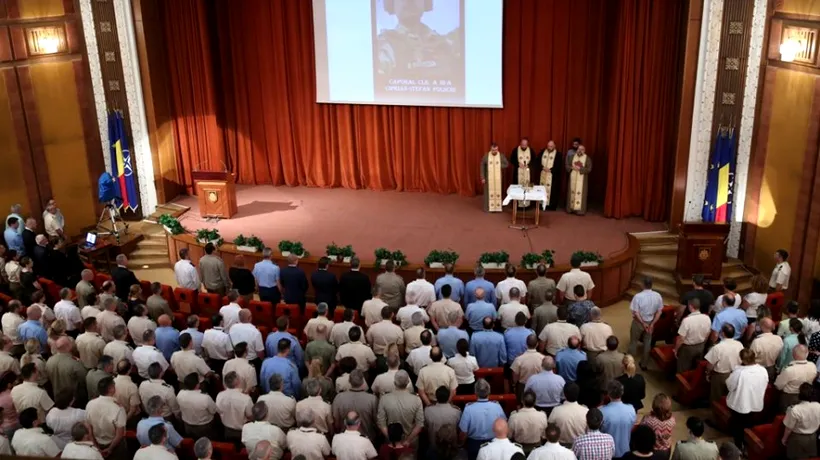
x=665, y=248
x=152, y=251
x=152, y=262
x=175, y=210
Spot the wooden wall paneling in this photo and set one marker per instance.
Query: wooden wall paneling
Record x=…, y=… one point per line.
x=19, y=181
x=35, y=135
x=809, y=207
x=91, y=132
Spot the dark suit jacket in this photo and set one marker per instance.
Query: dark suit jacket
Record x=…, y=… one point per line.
x=42, y=261
x=123, y=278
x=295, y=283
x=29, y=242
x=326, y=286
x=354, y=289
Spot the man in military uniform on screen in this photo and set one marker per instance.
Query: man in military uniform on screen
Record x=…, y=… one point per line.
x=413, y=50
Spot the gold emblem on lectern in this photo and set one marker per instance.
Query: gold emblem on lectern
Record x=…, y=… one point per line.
x=704, y=254
x=213, y=197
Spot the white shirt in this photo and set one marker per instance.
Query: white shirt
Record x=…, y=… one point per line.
x=747, y=387
x=217, y=344
x=10, y=322
x=68, y=312
x=509, y=311
x=82, y=451
x=248, y=333
x=405, y=315
x=499, y=449
x=352, y=445
x=780, y=275
x=34, y=443
x=420, y=357
x=230, y=315
x=89, y=311
x=155, y=452
x=52, y=223
x=464, y=367
x=420, y=292
x=551, y=451
x=572, y=278
x=145, y=355
x=61, y=421
x=502, y=290
x=186, y=274
x=755, y=299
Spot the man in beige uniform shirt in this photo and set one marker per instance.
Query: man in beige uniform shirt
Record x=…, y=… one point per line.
x=801, y=424
x=572, y=278
x=155, y=386
x=528, y=425
x=526, y=364
x=509, y=310
x=118, y=349
x=234, y=407
x=594, y=334
x=90, y=344
x=261, y=430
x=383, y=383
x=440, y=310
x=722, y=358
x=213, y=273
x=105, y=369
x=243, y=368
x=339, y=334
x=196, y=408
x=799, y=371
x=383, y=334
x=107, y=419
x=281, y=407
x=29, y=394
x=554, y=336
x=610, y=362
x=372, y=309
x=412, y=335
x=322, y=314
x=306, y=441
x=30, y=440
x=84, y=288
x=139, y=323
x=351, y=444
x=186, y=361
x=391, y=286
x=570, y=417
x=108, y=319
x=322, y=412
x=538, y=288
x=359, y=400
x=434, y=375
x=126, y=393
x=364, y=356
x=767, y=347
x=404, y=408
x=693, y=332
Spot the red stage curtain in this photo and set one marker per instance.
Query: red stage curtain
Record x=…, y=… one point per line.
x=257, y=57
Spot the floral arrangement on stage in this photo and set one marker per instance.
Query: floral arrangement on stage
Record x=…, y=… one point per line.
x=296, y=248
x=589, y=258
x=209, y=235
x=171, y=224
x=340, y=253
x=437, y=259
x=494, y=259
x=249, y=244
x=384, y=254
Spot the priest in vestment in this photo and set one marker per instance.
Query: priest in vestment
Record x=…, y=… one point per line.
x=491, y=177
x=579, y=165
x=551, y=174
x=525, y=167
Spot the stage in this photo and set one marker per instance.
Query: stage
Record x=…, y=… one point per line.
x=414, y=223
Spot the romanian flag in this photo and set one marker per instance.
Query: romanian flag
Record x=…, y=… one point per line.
x=720, y=182
x=121, y=168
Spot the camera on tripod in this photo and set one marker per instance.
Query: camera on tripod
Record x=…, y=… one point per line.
x=108, y=195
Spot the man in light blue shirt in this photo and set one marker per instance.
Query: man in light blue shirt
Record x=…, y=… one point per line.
x=567, y=359
x=732, y=315
x=488, y=346
x=448, y=337
x=619, y=418
x=14, y=239
x=16, y=209
x=547, y=386
x=478, y=418
x=456, y=284
x=282, y=365
x=32, y=329
x=296, y=355
x=193, y=331
x=167, y=337
x=646, y=308
x=515, y=338
x=267, y=278
x=479, y=282
x=155, y=406
x=478, y=310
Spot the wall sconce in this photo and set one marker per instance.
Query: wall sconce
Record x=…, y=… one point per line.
x=43, y=41
x=798, y=44
x=789, y=49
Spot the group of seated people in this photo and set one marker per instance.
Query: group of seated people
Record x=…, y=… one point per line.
x=407, y=374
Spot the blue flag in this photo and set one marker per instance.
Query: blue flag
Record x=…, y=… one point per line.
x=121, y=167
x=720, y=182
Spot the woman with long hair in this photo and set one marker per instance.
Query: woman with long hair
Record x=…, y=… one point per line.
x=32, y=355
x=634, y=384
x=662, y=423
x=756, y=298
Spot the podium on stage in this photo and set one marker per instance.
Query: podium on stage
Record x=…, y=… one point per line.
x=216, y=193
x=701, y=251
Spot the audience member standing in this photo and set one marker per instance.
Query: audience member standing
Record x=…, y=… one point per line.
x=693, y=332
x=782, y=272
x=213, y=272
x=65, y=372
x=107, y=420
x=186, y=274
x=722, y=358
x=350, y=444
x=157, y=305
x=123, y=277
x=423, y=291
x=545, y=313
x=618, y=418
x=403, y=408
x=359, y=400
x=502, y=290
x=527, y=425
x=268, y=280
x=294, y=283
x=488, y=346
x=547, y=386
x=695, y=447
x=234, y=406
x=554, y=336
x=526, y=365
x=662, y=422
x=435, y=375
x=633, y=384
x=508, y=311
x=538, y=288
x=391, y=286
x=478, y=310
x=571, y=416
x=440, y=416
x=798, y=372
x=354, y=286
x=325, y=285
x=456, y=285
x=441, y=309
x=242, y=279
x=574, y=277
x=479, y=283
x=479, y=422
x=568, y=358
x=747, y=387
x=646, y=309
x=594, y=334
x=139, y=323
x=801, y=424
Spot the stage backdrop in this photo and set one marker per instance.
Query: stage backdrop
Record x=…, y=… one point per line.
x=243, y=85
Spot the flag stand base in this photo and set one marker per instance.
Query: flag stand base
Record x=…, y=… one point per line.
x=110, y=214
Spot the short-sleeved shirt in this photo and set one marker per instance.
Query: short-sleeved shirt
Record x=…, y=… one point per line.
x=68, y=312
x=566, y=360
x=767, y=348
x=313, y=325
x=472, y=285
x=489, y=348
x=695, y=328
x=646, y=303
x=197, y=408
x=230, y=315
x=174, y=439
x=527, y=364
x=509, y=311
x=548, y=388
x=234, y=408
x=438, y=416
x=527, y=425
x=137, y=326
x=266, y=273
x=618, y=421
x=400, y=407
x=455, y=284
x=572, y=278
x=84, y=450
x=352, y=445
x=478, y=418
x=255, y=432
x=321, y=411
x=803, y=418
x=441, y=309
x=90, y=346
x=108, y=320
x=502, y=290
x=308, y=442
x=477, y=311
x=321, y=349
x=780, y=275
x=217, y=344
x=146, y=355
x=571, y=419
x=244, y=369
x=734, y=316
x=594, y=335
x=724, y=356
x=105, y=417
x=556, y=335
x=28, y=394
x=33, y=442
x=187, y=362
x=127, y=394
x=362, y=353
x=383, y=334
x=537, y=290
x=167, y=341
x=150, y=388
x=281, y=409
x=435, y=375
x=248, y=333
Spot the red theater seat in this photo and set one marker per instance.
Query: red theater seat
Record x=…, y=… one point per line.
x=168, y=295
x=775, y=302
x=495, y=377
x=665, y=328
x=99, y=279
x=51, y=289
x=146, y=289
x=227, y=451
x=204, y=323
x=338, y=315
x=310, y=312
x=208, y=304
x=292, y=312
x=263, y=313
x=180, y=320
x=5, y=299
x=185, y=300
x=763, y=441
x=692, y=385
x=664, y=357
x=722, y=415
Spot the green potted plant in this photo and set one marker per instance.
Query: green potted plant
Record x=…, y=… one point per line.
x=589, y=258
x=249, y=244
x=287, y=248
x=340, y=253
x=530, y=260
x=170, y=224
x=383, y=255
x=208, y=235
x=548, y=256
x=494, y=259
x=398, y=258
x=437, y=259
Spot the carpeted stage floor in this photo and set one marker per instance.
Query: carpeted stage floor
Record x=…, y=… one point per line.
x=412, y=222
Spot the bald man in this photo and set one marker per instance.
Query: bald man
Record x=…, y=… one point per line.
x=567, y=359
x=478, y=310
x=500, y=447
x=84, y=288
x=66, y=373
x=767, y=347
x=32, y=328
x=108, y=319
x=246, y=332
x=798, y=372
x=167, y=337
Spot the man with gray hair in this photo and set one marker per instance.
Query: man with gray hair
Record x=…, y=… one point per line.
x=477, y=420
x=350, y=444
x=547, y=386
x=405, y=315
x=262, y=451
x=234, y=406
x=538, y=288
x=281, y=407
x=322, y=313
x=403, y=408
x=186, y=274
x=594, y=334
x=108, y=319
x=84, y=288
x=322, y=412
x=123, y=277
x=412, y=335
x=306, y=440
x=357, y=399
x=261, y=430
x=155, y=406
x=83, y=445
x=509, y=310
x=794, y=375
x=203, y=449
x=384, y=383
x=479, y=283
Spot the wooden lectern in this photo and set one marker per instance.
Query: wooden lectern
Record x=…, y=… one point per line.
x=701, y=250
x=216, y=192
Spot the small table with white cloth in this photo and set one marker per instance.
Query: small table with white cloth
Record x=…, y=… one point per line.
x=516, y=193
